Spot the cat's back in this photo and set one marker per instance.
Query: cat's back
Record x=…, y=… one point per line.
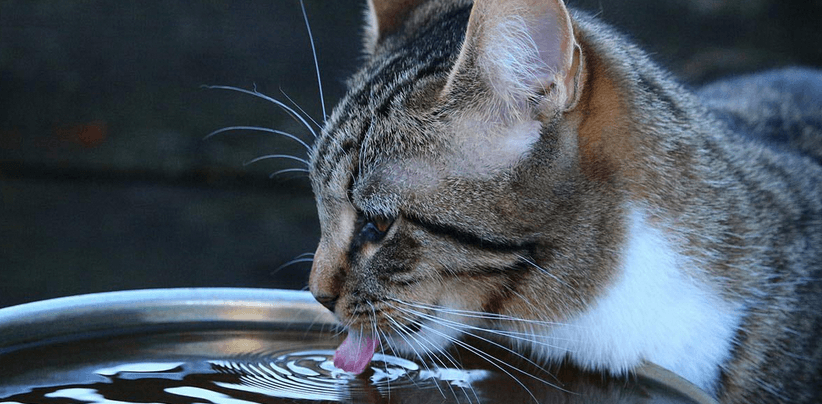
x=780, y=108
x=782, y=111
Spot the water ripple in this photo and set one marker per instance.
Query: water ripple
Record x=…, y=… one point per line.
x=311, y=374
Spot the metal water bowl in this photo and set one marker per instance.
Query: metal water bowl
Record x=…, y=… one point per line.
x=244, y=346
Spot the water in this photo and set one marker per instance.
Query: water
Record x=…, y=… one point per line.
x=311, y=375
x=303, y=375
x=249, y=367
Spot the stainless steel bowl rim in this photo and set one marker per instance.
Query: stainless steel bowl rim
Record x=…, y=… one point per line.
x=83, y=314
x=65, y=317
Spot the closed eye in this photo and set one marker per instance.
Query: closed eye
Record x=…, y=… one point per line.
x=373, y=229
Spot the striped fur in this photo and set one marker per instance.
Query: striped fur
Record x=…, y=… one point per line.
x=447, y=184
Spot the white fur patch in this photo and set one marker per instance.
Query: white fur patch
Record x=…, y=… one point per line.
x=653, y=311
x=437, y=332
x=485, y=147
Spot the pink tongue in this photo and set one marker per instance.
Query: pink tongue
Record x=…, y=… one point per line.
x=355, y=353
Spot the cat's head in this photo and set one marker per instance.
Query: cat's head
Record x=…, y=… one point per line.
x=449, y=176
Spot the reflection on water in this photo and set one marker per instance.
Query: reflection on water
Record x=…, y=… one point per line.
x=147, y=367
x=271, y=367
x=311, y=375
x=462, y=378
x=300, y=375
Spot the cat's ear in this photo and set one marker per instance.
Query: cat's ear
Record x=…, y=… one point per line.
x=385, y=17
x=520, y=49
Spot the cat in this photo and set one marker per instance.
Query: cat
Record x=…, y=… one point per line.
x=516, y=167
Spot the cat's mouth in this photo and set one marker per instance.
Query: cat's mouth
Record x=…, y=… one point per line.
x=411, y=335
x=363, y=339
x=356, y=351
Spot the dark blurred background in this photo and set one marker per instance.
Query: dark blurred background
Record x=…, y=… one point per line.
x=107, y=184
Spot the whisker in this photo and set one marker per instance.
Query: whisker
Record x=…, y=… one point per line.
x=276, y=102
x=439, y=351
x=377, y=334
x=290, y=263
x=517, y=335
x=294, y=103
x=385, y=337
x=402, y=331
x=488, y=358
x=424, y=344
x=461, y=329
x=479, y=314
x=545, y=271
x=288, y=170
x=277, y=156
x=259, y=129
x=316, y=63
x=316, y=318
x=340, y=329
x=394, y=352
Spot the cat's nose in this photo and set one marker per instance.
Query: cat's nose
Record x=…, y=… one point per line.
x=328, y=301
x=324, y=281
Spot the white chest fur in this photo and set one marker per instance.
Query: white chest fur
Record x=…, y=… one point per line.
x=653, y=311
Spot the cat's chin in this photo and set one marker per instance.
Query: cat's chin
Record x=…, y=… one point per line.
x=430, y=338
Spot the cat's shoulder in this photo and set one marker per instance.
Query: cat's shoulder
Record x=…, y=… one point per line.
x=782, y=108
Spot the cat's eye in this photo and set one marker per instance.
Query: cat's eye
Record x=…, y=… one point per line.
x=375, y=228
x=382, y=223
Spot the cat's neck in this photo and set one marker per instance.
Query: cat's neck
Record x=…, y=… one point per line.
x=636, y=128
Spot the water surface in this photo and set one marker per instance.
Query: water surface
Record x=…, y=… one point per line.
x=282, y=366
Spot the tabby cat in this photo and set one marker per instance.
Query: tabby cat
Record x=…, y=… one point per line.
x=513, y=166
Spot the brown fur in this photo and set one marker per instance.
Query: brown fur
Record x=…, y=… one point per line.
x=509, y=187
